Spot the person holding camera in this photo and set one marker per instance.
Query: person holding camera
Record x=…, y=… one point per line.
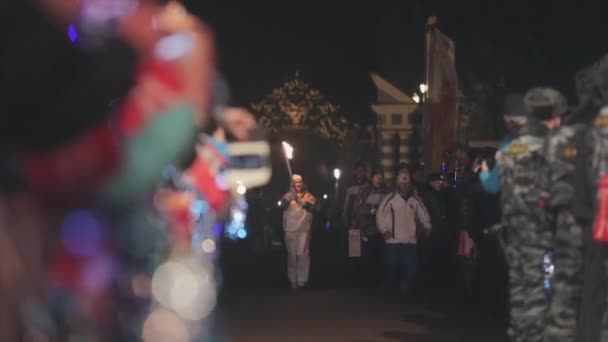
x=514, y=115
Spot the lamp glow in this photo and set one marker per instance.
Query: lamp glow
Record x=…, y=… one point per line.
x=241, y=189
x=416, y=98
x=337, y=174
x=424, y=88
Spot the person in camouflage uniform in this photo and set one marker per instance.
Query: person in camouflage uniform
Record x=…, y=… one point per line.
x=568, y=234
x=591, y=167
x=524, y=218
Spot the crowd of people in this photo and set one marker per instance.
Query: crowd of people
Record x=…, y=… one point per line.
x=522, y=229
x=417, y=236
x=103, y=210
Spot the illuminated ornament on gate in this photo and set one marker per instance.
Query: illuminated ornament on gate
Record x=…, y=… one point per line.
x=296, y=104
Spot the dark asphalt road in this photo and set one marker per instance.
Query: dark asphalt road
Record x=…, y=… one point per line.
x=347, y=316
x=256, y=305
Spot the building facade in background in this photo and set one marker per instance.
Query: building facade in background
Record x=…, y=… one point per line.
x=394, y=131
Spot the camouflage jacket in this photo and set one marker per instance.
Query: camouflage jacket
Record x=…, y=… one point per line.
x=524, y=182
x=561, y=159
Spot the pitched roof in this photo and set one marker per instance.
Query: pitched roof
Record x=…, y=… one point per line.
x=390, y=90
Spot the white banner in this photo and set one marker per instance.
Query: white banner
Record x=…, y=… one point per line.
x=354, y=243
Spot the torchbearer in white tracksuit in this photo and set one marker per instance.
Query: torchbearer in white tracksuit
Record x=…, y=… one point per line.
x=297, y=221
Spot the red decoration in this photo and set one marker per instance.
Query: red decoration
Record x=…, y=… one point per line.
x=204, y=178
x=542, y=203
x=156, y=88
x=600, y=226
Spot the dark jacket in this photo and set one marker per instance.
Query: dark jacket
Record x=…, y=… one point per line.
x=436, y=203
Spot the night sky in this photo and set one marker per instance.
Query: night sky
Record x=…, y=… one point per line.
x=336, y=43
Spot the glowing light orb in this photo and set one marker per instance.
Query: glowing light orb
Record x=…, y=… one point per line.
x=218, y=228
x=81, y=234
x=209, y=246
x=187, y=289
x=72, y=33
x=199, y=206
x=238, y=216
x=241, y=234
x=174, y=46
x=241, y=189
x=164, y=325
x=97, y=274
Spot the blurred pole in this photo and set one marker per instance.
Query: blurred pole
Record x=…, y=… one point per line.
x=426, y=122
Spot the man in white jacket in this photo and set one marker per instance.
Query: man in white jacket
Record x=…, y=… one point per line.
x=398, y=218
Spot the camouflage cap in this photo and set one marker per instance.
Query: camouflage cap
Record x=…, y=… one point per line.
x=545, y=103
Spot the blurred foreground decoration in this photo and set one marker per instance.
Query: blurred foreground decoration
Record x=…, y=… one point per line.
x=296, y=104
x=441, y=114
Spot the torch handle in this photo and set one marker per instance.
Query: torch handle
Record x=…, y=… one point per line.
x=289, y=168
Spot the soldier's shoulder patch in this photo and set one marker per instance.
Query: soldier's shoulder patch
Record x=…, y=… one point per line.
x=569, y=152
x=600, y=121
x=517, y=148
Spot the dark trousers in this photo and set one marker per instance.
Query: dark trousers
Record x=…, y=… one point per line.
x=400, y=265
x=590, y=326
x=372, y=256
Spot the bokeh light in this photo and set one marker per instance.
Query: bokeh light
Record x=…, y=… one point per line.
x=218, y=228
x=72, y=33
x=209, y=246
x=163, y=325
x=241, y=189
x=97, y=273
x=81, y=234
x=186, y=288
